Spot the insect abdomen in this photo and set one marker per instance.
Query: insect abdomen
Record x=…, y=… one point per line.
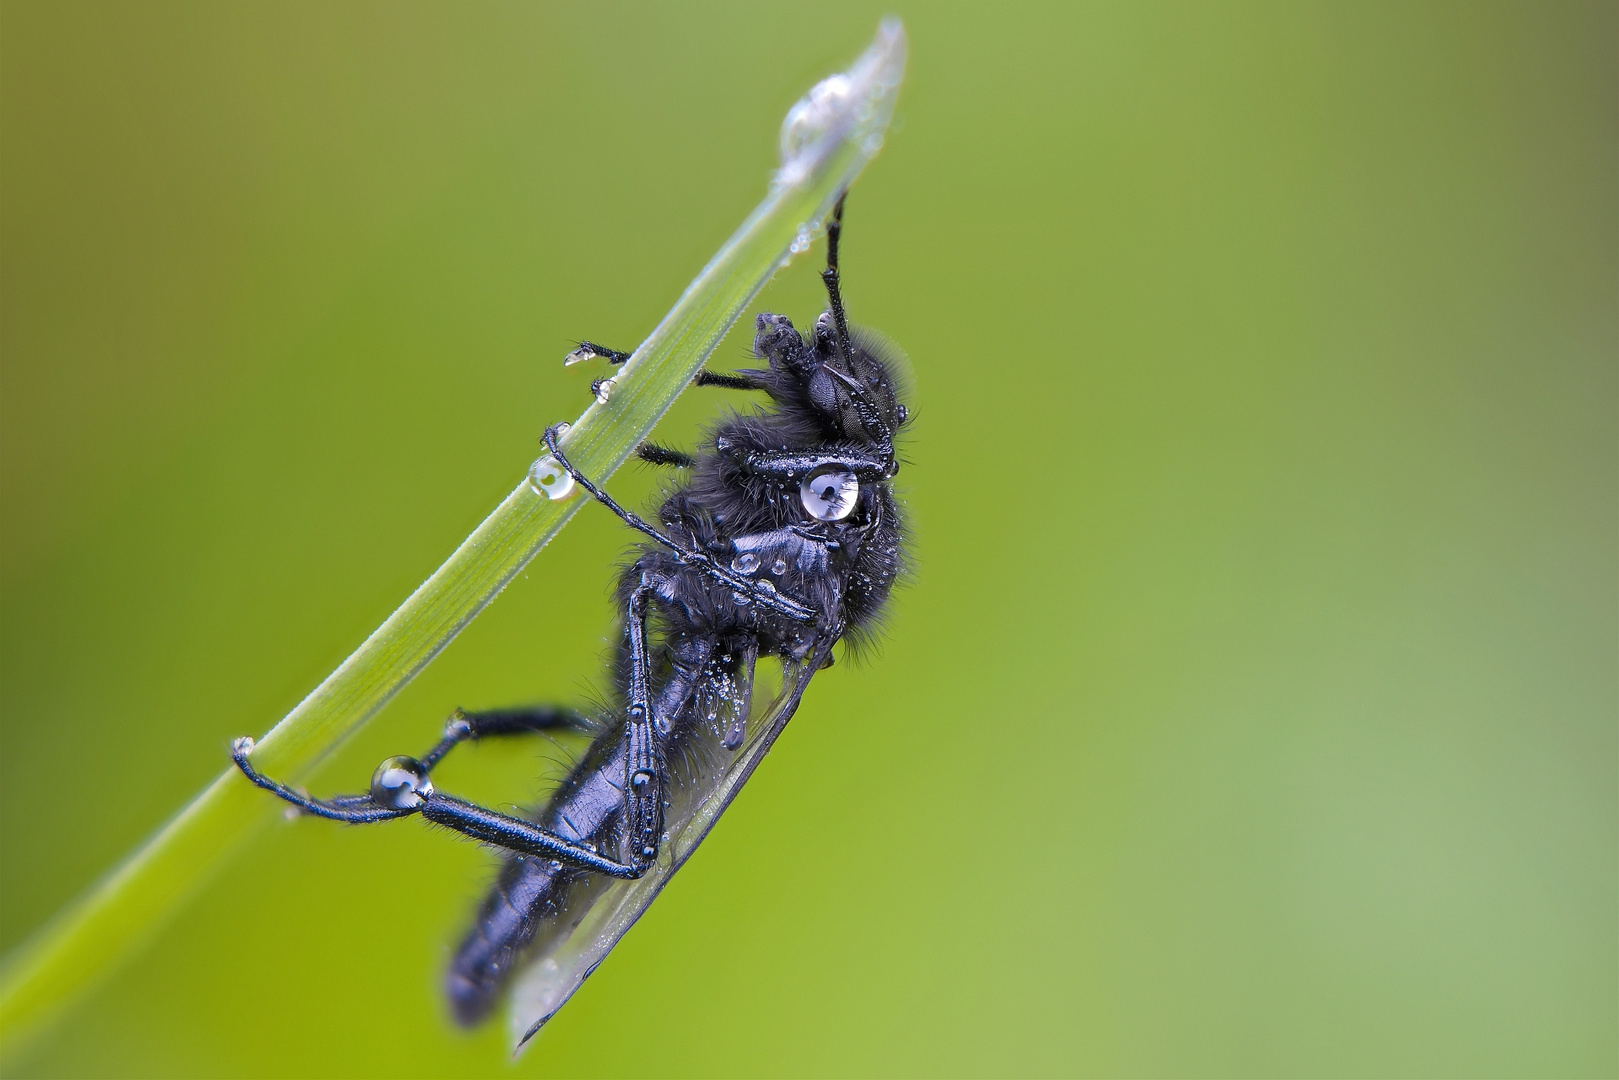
x=532, y=895
x=527, y=891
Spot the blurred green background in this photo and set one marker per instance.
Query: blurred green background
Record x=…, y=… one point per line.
x=1251, y=710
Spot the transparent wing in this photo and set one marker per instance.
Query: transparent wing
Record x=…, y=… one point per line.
x=703, y=780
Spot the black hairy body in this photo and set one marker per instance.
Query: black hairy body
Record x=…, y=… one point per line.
x=843, y=570
x=782, y=538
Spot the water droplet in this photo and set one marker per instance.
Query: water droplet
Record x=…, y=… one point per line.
x=801, y=242
x=829, y=494
x=640, y=780
x=850, y=107
x=400, y=783
x=741, y=599
x=733, y=734
x=779, y=567
x=547, y=477
x=244, y=745
x=745, y=563
x=603, y=389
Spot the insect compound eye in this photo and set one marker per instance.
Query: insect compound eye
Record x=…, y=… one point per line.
x=829, y=494
x=400, y=783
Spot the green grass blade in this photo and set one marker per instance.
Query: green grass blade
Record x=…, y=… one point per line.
x=827, y=139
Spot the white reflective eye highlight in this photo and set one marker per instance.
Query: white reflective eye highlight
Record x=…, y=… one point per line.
x=830, y=494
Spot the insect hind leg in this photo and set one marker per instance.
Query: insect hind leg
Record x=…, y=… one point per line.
x=401, y=787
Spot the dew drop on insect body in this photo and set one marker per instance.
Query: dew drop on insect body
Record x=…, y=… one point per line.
x=745, y=563
x=779, y=567
x=829, y=494
x=400, y=783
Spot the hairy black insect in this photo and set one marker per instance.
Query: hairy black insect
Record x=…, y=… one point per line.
x=784, y=538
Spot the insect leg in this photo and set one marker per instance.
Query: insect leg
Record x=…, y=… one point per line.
x=352, y=809
x=726, y=381
x=463, y=726
x=653, y=454
x=643, y=758
x=834, y=294
x=702, y=560
x=588, y=350
x=401, y=788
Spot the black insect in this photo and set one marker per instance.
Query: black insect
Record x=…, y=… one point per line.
x=784, y=538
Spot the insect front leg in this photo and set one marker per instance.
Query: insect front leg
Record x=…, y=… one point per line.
x=829, y=276
x=602, y=388
x=589, y=350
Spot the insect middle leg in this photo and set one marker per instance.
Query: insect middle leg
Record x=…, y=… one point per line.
x=690, y=557
x=463, y=726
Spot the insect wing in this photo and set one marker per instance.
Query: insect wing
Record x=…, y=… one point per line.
x=703, y=781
